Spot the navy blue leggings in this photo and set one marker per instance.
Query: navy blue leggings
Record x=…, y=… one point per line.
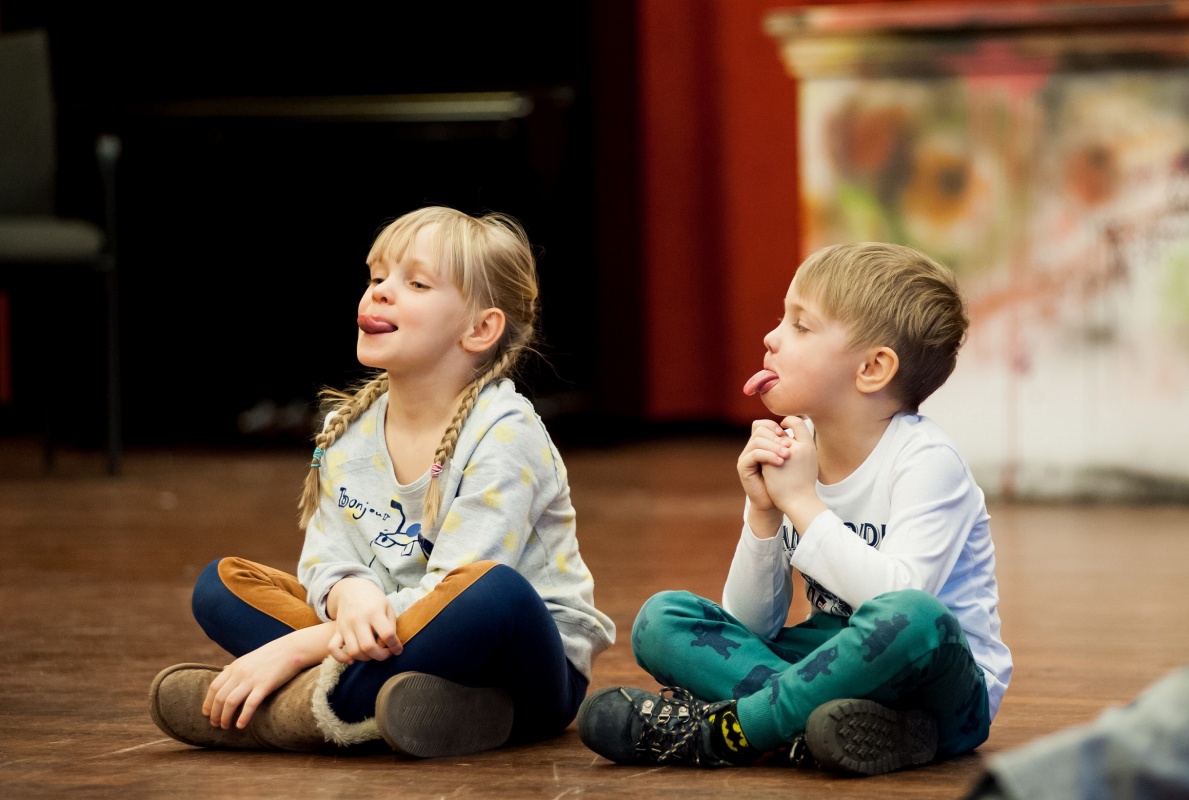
x=485, y=625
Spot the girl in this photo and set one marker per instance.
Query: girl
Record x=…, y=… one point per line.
x=441, y=602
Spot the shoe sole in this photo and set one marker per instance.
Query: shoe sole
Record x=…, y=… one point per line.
x=866, y=738
x=426, y=716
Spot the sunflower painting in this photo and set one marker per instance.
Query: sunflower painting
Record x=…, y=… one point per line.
x=1059, y=194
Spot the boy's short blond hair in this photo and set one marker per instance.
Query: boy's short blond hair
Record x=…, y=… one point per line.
x=894, y=296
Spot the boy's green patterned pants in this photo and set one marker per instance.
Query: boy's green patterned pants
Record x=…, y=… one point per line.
x=902, y=649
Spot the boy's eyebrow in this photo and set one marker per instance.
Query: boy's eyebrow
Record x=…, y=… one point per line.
x=795, y=309
x=793, y=306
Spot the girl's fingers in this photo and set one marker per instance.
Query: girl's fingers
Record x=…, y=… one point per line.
x=216, y=711
x=340, y=650
x=208, y=703
x=385, y=630
x=251, y=703
x=393, y=644
x=233, y=703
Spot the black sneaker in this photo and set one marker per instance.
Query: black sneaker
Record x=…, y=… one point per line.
x=633, y=726
x=866, y=738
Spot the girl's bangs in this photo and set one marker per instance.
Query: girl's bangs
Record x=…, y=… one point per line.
x=394, y=241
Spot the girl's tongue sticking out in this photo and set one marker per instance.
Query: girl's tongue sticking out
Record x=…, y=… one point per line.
x=374, y=324
x=760, y=382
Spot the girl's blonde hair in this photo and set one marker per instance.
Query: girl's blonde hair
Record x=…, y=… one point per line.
x=490, y=260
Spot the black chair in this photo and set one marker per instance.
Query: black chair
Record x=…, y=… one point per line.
x=33, y=238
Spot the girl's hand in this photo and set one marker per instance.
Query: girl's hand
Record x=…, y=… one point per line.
x=365, y=623
x=792, y=484
x=767, y=447
x=245, y=682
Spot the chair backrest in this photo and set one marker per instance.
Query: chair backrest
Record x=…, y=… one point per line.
x=28, y=145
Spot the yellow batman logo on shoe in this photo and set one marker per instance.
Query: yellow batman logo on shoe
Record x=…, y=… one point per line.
x=731, y=732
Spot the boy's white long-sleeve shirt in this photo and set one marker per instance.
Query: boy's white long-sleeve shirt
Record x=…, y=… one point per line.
x=910, y=517
x=506, y=498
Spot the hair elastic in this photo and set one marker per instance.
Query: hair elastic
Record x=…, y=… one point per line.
x=435, y=470
x=317, y=460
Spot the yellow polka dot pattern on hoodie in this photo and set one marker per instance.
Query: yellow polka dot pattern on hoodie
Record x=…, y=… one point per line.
x=367, y=425
x=511, y=540
x=452, y=522
x=504, y=433
x=493, y=497
x=334, y=462
x=526, y=476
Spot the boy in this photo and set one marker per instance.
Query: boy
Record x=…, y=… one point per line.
x=901, y=660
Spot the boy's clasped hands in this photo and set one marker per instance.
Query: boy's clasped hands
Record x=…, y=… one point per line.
x=778, y=469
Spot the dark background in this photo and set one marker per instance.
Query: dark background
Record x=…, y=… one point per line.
x=242, y=237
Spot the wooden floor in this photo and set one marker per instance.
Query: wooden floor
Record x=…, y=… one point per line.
x=95, y=575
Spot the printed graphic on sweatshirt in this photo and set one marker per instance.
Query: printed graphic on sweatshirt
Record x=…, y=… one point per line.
x=821, y=598
x=390, y=546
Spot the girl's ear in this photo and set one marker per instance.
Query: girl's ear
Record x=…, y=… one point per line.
x=877, y=370
x=486, y=331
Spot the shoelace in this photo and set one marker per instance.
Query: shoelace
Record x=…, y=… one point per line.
x=799, y=755
x=670, y=733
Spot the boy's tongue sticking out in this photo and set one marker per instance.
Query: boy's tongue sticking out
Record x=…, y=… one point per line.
x=374, y=324
x=760, y=382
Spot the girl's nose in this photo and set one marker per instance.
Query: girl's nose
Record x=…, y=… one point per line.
x=382, y=293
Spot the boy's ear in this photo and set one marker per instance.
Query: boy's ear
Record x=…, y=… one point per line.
x=877, y=370
x=485, y=332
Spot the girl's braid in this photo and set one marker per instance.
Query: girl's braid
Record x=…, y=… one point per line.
x=344, y=414
x=433, y=496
